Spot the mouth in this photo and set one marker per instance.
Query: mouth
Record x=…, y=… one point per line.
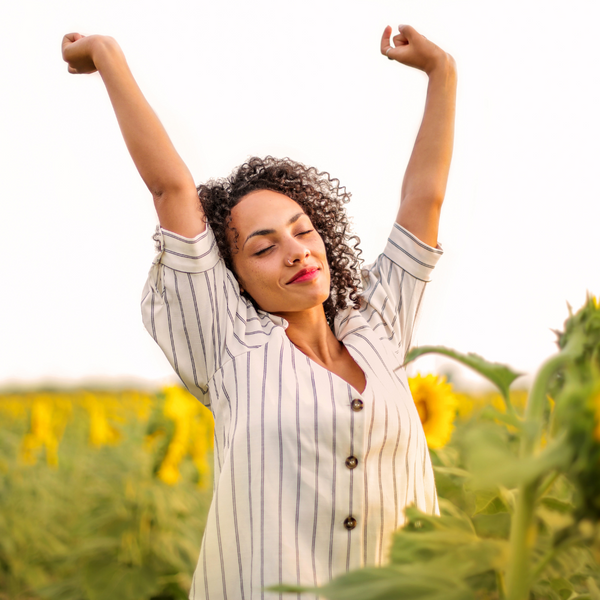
x=304, y=275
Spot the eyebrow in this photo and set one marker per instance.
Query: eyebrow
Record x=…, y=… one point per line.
x=269, y=231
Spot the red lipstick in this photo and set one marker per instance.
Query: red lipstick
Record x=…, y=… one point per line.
x=304, y=275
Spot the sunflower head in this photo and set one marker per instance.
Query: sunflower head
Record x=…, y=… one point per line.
x=436, y=405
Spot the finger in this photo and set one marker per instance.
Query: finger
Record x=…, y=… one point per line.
x=385, y=40
x=400, y=40
x=69, y=39
x=72, y=37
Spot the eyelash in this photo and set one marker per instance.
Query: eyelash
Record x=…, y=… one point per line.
x=269, y=247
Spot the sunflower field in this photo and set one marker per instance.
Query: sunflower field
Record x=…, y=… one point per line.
x=104, y=494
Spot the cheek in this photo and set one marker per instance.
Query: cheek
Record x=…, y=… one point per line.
x=253, y=278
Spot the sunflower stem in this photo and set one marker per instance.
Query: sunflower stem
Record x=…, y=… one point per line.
x=523, y=530
x=522, y=538
x=501, y=585
x=510, y=409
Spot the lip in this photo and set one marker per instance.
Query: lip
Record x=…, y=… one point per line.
x=304, y=275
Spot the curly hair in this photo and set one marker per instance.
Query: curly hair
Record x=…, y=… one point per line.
x=321, y=198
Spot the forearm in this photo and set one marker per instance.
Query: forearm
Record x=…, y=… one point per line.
x=426, y=175
x=155, y=157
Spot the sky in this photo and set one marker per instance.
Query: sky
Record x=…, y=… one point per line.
x=232, y=79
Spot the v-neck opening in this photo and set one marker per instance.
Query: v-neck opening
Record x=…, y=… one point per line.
x=354, y=390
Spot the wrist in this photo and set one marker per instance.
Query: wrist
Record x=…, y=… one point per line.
x=105, y=50
x=443, y=65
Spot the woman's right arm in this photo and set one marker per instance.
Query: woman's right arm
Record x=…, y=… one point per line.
x=159, y=164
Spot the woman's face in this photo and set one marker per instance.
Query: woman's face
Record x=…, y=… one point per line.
x=280, y=258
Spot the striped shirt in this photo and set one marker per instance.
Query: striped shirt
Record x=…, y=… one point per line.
x=310, y=477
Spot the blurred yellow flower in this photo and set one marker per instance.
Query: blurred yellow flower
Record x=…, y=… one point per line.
x=193, y=435
x=468, y=404
x=49, y=417
x=436, y=405
x=102, y=432
x=202, y=440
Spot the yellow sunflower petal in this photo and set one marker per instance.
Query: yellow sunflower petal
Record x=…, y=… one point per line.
x=437, y=406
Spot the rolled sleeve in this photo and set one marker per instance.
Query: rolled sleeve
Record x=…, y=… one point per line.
x=411, y=254
x=187, y=255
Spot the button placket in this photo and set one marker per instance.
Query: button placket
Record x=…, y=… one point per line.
x=351, y=462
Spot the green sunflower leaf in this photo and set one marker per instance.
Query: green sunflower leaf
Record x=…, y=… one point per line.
x=502, y=376
x=557, y=505
x=409, y=582
x=489, y=503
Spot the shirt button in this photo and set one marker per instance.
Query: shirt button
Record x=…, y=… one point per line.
x=356, y=405
x=350, y=523
x=351, y=462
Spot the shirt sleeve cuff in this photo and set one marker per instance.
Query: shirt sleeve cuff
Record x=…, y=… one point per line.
x=411, y=254
x=189, y=255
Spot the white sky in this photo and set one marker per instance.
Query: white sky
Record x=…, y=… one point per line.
x=231, y=79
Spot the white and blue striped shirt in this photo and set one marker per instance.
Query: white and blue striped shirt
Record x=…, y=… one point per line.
x=310, y=478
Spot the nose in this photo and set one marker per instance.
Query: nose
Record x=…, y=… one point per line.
x=297, y=253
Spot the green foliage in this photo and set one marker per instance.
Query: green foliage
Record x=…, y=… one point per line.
x=502, y=376
x=576, y=389
x=409, y=582
x=100, y=526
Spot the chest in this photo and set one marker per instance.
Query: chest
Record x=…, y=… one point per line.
x=280, y=396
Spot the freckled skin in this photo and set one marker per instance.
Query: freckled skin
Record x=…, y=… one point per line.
x=264, y=264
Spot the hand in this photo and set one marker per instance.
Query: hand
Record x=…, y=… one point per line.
x=412, y=49
x=77, y=52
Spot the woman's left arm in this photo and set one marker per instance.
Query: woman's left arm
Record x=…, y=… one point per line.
x=424, y=185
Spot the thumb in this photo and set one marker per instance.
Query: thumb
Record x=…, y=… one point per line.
x=407, y=32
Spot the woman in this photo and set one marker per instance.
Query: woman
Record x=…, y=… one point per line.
x=267, y=319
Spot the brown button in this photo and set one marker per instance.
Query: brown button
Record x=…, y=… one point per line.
x=356, y=405
x=351, y=462
x=350, y=523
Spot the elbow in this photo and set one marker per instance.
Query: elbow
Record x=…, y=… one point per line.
x=431, y=201
x=168, y=188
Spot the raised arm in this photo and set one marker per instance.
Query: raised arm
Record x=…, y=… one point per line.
x=155, y=157
x=424, y=185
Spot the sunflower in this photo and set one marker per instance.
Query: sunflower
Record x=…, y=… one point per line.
x=436, y=405
x=192, y=435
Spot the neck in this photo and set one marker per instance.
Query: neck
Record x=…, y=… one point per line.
x=310, y=333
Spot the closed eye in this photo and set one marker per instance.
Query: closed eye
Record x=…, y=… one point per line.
x=262, y=251
x=305, y=232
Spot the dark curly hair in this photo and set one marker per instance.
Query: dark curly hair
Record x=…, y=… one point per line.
x=321, y=198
